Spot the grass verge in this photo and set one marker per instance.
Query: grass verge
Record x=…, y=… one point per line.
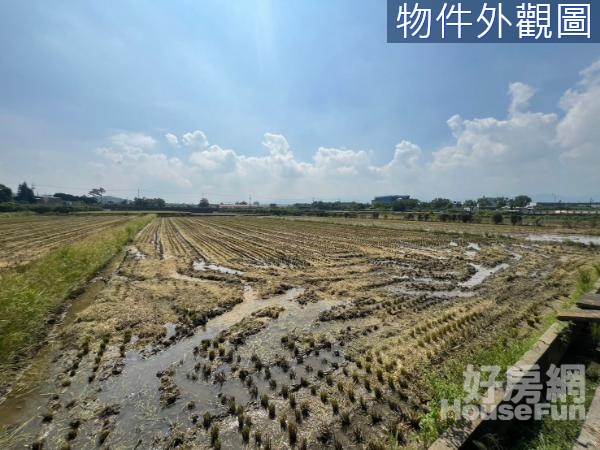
x=447, y=383
x=31, y=294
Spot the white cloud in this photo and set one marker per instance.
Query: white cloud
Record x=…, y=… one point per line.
x=578, y=133
x=133, y=158
x=520, y=94
x=277, y=145
x=342, y=162
x=172, y=139
x=406, y=158
x=196, y=139
x=525, y=151
x=215, y=159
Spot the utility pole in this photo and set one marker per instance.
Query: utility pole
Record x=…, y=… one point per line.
x=138, y=196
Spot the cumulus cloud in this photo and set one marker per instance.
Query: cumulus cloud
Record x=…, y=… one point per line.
x=578, y=133
x=172, y=139
x=525, y=151
x=520, y=95
x=277, y=145
x=133, y=158
x=406, y=158
x=341, y=162
x=196, y=139
x=215, y=159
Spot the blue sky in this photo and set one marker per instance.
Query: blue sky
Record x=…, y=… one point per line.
x=82, y=82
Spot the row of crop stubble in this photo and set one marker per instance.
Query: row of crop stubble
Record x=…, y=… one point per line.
x=29, y=294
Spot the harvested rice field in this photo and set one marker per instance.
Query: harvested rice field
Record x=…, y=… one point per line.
x=26, y=238
x=226, y=332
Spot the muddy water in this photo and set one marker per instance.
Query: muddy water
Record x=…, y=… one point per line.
x=464, y=289
x=135, y=391
x=582, y=239
x=203, y=266
x=32, y=388
x=481, y=274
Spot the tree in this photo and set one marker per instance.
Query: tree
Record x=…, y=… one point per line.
x=149, y=203
x=76, y=198
x=484, y=202
x=501, y=202
x=497, y=218
x=405, y=205
x=97, y=193
x=5, y=193
x=521, y=201
x=25, y=194
x=440, y=204
x=204, y=203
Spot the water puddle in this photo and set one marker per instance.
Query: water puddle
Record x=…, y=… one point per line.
x=136, y=390
x=474, y=246
x=453, y=293
x=170, y=330
x=481, y=274
x=581, y=239
x=135, y=253
x=203, y=266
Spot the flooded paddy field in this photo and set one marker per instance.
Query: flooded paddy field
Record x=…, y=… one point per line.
x=225, y=332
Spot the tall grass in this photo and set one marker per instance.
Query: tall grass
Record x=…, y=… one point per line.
x=31, y=293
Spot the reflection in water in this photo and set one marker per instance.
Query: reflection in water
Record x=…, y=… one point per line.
x=481, y=274
x=203, y=266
